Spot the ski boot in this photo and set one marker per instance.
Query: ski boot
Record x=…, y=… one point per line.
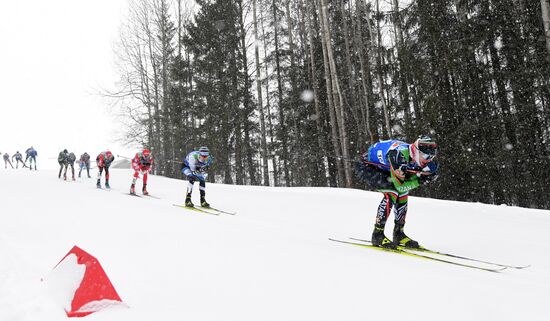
x=107, y=184
x=133, y=189
x=188, y=202
x=401, y=239
x=64, y=177
x=379, y=239
x=98, y=184
x=144, y=190
x=204, y=203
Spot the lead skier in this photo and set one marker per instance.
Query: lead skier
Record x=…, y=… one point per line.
x=395, y=168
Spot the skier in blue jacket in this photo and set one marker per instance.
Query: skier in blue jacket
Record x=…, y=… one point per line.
x=31, y=156
x=195, y=167
x=394, y=168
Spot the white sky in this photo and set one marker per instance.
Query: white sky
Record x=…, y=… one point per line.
x=53, y=57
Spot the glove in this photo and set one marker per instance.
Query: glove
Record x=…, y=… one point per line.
x=426, y=179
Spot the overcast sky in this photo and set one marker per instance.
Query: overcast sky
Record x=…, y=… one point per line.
x=53, y=56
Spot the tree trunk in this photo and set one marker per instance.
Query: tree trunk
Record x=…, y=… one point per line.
x=338, y=99
x=275, y=164
x=379, y=71
x=260, y=100
x=545, y=7
x=321, y=148
x=332, y=111
x=284, y=143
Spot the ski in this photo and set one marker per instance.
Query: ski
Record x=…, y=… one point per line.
x=136, y=195
x=196, y=209
x=417, y=255
x=152, y=196
x=220, y=211
x=425, y=250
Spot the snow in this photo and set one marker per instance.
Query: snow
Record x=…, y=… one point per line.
x=271, y=261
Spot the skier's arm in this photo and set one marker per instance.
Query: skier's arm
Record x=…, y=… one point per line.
x=398, y=172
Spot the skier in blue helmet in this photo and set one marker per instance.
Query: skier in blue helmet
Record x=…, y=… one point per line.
x=395, y=168
x=195, y=167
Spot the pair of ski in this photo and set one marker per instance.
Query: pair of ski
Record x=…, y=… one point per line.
x=144, y=196
x=466, y=261
x=205, y=210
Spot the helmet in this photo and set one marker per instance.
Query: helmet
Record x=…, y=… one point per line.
x=65, y=151
x=109, y=155
x=423, y=150
x=145, y=158
x=203, y=151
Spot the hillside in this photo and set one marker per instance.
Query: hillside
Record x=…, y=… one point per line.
x=271, y=261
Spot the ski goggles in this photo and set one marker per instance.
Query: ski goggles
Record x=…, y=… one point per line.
x=428, y=152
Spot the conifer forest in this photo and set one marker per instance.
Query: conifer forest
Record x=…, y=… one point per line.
x=292, y=92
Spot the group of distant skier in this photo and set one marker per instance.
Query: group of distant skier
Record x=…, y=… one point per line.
x=66, y=160
x=30, y=156
x=194, y=166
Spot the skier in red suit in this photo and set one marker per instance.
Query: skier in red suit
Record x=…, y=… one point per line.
x=103, y=161
x=141, y=163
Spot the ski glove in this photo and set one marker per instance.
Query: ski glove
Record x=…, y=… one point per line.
x=426, y=179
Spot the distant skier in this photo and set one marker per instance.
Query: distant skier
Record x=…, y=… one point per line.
x=84, y=162
x=395, y=168
x=63, y=160
x=141, y=163
x=31, y=156
x=195, y=167
x=18, y=158
x=7, y=160
x=104, y=161
x=71, y=158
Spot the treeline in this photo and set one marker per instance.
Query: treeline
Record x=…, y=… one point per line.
x=289, y=92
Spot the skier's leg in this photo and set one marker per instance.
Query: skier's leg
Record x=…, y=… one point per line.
x=99, y=176
x=134, y=179
x=202, y=189
x=144, y=189
x=190, y=182
x=384, y=209
x=60, y=170
x=88, y=169
x=399, y=236
x=107, y=177
x=72, y=170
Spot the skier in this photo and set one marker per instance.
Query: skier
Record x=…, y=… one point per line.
x=395, y=168
x=141, y=163
x=195, y=167
x=63, y=160
x=31, y=156
x=71, y=158
x=84, y=162
x=104, y=160
x=18, y=158
x=7, y=160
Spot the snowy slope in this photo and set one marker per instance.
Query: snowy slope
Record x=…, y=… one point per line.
x=272, y=261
